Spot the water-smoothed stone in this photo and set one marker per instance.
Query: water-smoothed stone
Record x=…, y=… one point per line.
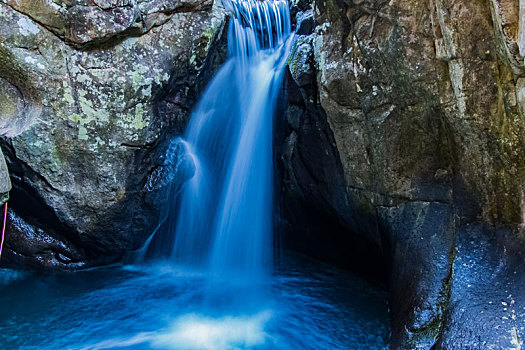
x=81, y=106
x=296, y=8
x=420, y=238
x=305, y=23
x=5, y=180
x=34, y=247
x=486, y=309
x=301, y=61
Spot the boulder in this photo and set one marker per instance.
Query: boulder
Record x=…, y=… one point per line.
x=420, y=105
x=90, y=95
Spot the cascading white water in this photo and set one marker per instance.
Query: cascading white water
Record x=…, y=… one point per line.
x=225, y=210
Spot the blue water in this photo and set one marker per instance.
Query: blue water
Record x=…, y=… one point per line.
x=217, y=290
x=224, y=213
x=308, y=305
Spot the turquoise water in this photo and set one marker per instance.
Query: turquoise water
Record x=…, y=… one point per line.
x=307, y=305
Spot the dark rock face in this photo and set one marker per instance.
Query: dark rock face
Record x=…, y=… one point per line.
x=91, y=93
x=421, y=104
x=421, y=242
x=312, y=196
x=486, y=308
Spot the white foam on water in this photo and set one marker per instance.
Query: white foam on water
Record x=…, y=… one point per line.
x=199, y=332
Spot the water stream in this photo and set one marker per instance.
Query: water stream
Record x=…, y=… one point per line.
x=224, y=219
x=219, y=289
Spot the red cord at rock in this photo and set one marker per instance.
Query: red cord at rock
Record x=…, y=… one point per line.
x=3, y=229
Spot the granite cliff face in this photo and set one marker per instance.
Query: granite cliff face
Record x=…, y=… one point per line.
x=89, y=92
x=422, y=104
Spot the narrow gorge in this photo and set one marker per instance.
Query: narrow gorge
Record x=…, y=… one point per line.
x=374, y=148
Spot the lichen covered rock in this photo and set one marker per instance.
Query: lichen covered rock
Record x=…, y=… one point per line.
x=83, y=84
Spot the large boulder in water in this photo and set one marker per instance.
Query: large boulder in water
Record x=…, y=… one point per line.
x=411, y=142
x=89, y=93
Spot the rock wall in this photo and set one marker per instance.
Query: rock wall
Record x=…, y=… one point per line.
x=401, y=150
x=90, y=92
x=422, y=104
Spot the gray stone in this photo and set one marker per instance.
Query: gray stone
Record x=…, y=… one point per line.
x=86, y=110
x=423, y=105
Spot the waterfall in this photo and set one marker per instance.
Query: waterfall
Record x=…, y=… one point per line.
x=225, y=211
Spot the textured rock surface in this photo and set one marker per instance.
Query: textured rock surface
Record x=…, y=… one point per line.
x=89, y=92
x=5, y=180
x=402, y=143
x=421, y=103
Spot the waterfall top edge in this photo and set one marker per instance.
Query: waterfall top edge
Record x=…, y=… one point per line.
x=268, y=20
x=232, y=5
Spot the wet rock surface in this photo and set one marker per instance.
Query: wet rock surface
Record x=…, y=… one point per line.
x=420, y=104
x=486, y=308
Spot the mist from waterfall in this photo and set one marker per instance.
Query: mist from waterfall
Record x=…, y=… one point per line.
x=225, y=211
